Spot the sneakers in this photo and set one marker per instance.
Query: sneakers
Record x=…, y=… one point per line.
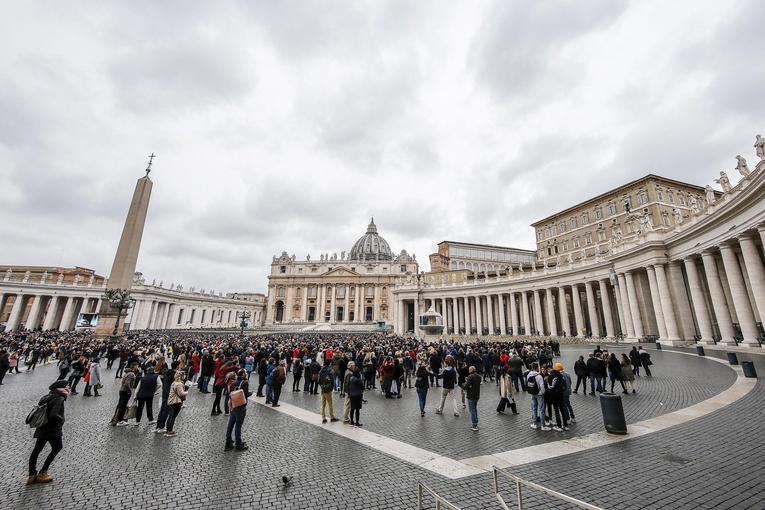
x=556, y=429
x=439, y=412
x=228, y=447
x=159, y=431
x=546, y=428
x=572, y=420
x=152, y=422
x=333, y=420
x=534, y=426
x=242, y=447
x=136, y=423
x=457, y=415
x=474, y=428
x=171, y=434
x=565, y=427
x=324, y=420
x=122, y=423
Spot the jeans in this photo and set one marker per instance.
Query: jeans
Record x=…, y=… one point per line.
x=172, y=415
x=422, y=395
x=122, y=404
x=593, y=379
x=145, y=401
x=164, y=412
x=269, y=393
x=538, y=409
x=276, y=391
x=205, y=383
x=516, y=378
x=583, y=380
x=568, y=411
x=473, y=409
x=120, y=369
x=235, y=421
x=338, y=382
x=56, y=444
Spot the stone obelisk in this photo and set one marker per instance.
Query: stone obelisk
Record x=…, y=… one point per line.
x=126, y=258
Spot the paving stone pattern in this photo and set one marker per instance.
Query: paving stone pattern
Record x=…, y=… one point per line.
x=710, y=462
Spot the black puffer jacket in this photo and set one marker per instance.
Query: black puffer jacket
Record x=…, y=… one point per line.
x=54, y=428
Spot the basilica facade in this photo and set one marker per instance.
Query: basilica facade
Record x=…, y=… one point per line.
x=352, y=288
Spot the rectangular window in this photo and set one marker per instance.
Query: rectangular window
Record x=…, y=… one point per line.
x=587, y=238
x=180, y=317
x=601, y=236
x=643, y=198
x=554, y=230
x=565, y=245
x=562, y=227
x=573, y=222
x=576, y=242
x=598, y=214
x=660, y=195
x=283, y=269
x=682, y=199
x=204, y=312
x=611, y=209
x=370, y=291
x=341, y=292
x=312, y=292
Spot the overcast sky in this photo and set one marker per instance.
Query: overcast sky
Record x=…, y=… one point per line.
x=285, y=126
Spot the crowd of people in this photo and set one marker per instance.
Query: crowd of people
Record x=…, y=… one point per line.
x=329, y=365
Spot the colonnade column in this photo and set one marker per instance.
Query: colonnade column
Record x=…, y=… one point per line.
x=513, y=315
x=490, y=313
x=755, y=271
x=576, y=302
x=637, y=318
x=608, y=316
x=501, y=310
x=466, y=313
x=697, y=300
x=539, y=323
x=15, y=317
x=657, y=304
x=551, y=312
x=526, y=314
x=52, y=311
x=455, y=316
x=627, y=325
x=478, y=315
x=416, y=326
x=719, y=305
x=592, y=309
x=666, y=300
x=563, y=307
x=304, y=305
x=34, y=313
x=347, y=303
x=739, y=295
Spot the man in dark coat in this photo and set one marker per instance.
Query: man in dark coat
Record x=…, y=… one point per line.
x=51, y=432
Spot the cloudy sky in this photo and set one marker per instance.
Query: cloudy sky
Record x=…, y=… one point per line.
x=285, y=126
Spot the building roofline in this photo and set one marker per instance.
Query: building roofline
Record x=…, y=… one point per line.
x=461, y=243
x=666, y=180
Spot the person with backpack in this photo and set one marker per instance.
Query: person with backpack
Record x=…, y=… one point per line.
x=49, y=433
x=279, y=378
x=557, y=385
x=327, y=385
x=238, y=414
x=472, y=389
x=4, y=365
x=535, y=386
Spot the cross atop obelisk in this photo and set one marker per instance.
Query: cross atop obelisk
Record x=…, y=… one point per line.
x=126, y=258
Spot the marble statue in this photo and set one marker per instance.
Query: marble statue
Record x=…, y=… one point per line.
x=759, y=145
x=678, y=216
x=694, y=206
x=160, y=283
x=724, y=182
x=342, y=255
x=454, y=278
x=27, y=274
x=544, y=264
x=322, y=257
x=741, y=166
x=557, y=260
x=509, y=270
x=308, y=258
x=520, y=267
x=710, y=195
x=8, y=274
x=646, y=224
x=45, y=277
x=153, y=282
x=60, y=277
x=179, y=288
x=91, y=279
x=570, y=259
x=172, y=285
x=583, y=253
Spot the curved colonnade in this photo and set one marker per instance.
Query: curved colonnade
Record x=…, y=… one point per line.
x=703, y=280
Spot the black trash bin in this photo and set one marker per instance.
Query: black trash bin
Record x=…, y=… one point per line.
x=749, y=370
x=658, y=346
x=613, y=413
x=732, y=358
x=700, y=350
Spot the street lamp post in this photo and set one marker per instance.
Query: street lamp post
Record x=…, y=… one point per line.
x=243, y=316
x=121, y=300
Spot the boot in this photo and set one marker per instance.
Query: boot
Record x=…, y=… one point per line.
x=513, y=408
x=31, y=479
x=43, y=477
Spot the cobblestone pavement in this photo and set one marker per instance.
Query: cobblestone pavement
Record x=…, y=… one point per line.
x=709, y=462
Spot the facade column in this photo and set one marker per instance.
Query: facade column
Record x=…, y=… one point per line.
x=347, y=304
x=34, y=312
x=513, y=314
x=66, y=318
x=628, y=326
x=466, y=314
x=551, y=312
x=563, y=308
x=657, y=304
x=14, y=319
x=698, y=301
x=321, y=302
x=592, y=309
x=501, y=310
x=490, y=313
x=637, y=318
x=416, y=317
x=52, y=312
x=719, y=304
x=455, y=316
x=608, y=316
x=576, y=303
x=333, y=303
x=666, y=302
x=755, y=271
x=478, y=314
x=304, y=305
x=740, y=297
x=526, y=314
x=539, y=322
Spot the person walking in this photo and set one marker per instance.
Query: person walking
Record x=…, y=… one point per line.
x=505, y=391
x=472, y=389
x=95, y=376
x=238, y=414
x=645, y=359
x=175, y=399
x=449, y=377
x=51, y=433
x=147, y=386
x=615, y=368
x=629, y=377
x=327, y=385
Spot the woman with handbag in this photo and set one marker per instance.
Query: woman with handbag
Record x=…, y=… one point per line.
x=95, y=376
x=126, y=390
x=175, y=400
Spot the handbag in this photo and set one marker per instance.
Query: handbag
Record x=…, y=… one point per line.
x=132, y=411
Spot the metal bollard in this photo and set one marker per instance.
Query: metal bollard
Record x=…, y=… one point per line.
x=613, y=413
x=749, y=370
x=700, y=350
x=732, y=358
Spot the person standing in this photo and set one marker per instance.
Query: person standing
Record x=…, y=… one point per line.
x=238, y=414
x=145, y=395
x=327, y=384
x=567, y=409
x=13, y=359
x=5, y=365
x=280, y=377
x=535, y=386
x=297, y=373
x=175, y=399
x=505, y=391
x=167, y=376
x=421, y=383
x=580, y=369
x=645, y=359
x=77, y=368
x=355, y=389
x=126, y=390
x=449, y=377
x=635, y=360
x=615, y=368
x=472, y=389
x=629, y=377
x=51, y=433
x=95, y=376
x=346, y=384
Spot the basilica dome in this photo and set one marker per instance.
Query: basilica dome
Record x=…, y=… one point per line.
x=371, y=246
